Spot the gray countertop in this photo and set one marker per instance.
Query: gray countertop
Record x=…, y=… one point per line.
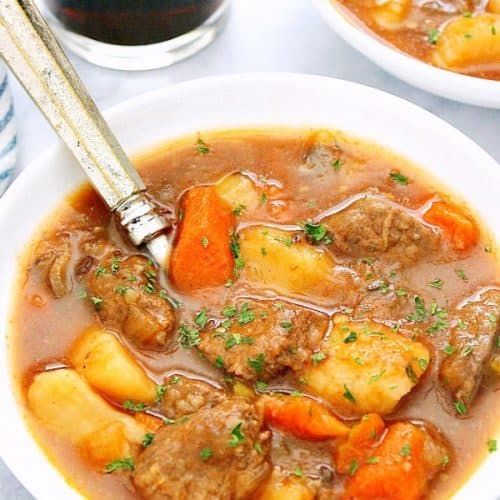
x=261, y=35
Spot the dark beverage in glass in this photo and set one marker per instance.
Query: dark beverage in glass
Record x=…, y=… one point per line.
x=188, y=24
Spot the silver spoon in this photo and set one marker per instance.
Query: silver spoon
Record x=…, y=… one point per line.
x=30, y=49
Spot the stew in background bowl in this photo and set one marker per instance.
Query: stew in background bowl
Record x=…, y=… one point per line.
x=312, y=149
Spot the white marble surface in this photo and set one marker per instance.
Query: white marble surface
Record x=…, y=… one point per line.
x=261, y=35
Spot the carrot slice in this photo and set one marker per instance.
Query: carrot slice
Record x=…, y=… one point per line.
x=303, y=417
x=201, y=256
x=363, y=438
x=395, y=471
x=457, y=225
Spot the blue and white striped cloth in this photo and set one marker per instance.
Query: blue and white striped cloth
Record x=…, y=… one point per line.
x=8, y=141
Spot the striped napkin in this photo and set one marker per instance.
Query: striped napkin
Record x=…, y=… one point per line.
x=8, y=141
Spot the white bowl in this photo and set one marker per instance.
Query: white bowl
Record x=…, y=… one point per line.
x=218, y=103
x=463, y=88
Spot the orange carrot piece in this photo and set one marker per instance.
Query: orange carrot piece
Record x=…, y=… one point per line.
x=459, y=227
x=303, y=417
x=395, y=471
x=363, y=438
x=201, y=255
x=150, y=423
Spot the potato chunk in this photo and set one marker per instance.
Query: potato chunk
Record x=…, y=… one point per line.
x=67, y=406
x=274, y=259
x=282, y=486
x=391, y=13
x=108, y=366
x=237, y=189
x=368, y=367
x=466, y=43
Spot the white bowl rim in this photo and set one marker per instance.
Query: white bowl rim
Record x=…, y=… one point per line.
x=15, y=195
x=455, y=86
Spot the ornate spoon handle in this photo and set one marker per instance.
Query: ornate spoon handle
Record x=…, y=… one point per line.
x=30, y=49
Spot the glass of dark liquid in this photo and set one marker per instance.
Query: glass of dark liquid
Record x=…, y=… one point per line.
x=135, y=34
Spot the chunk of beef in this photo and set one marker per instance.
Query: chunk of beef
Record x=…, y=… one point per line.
x=125, y=293
x=220, y=452
x=472, y=339
x=374, y=226
x=184, y=396
x=260, y=339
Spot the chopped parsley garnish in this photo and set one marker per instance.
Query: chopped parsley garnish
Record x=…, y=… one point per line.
x=460, y=407
x=229, y=311
x=359, y=361
x=352, y=337
x=237, y=339
x=401, y=293
x=296, y=394
x=353, y=467
x=237, y=436
x=188, y=337
x=437, y=283
x=263, y=199
x=245, y=315
x=286, y=325
x=257, y=363
x=120, y=464
x=260, y=386
x=160, y=392
x=433, y=36
x=236, y=251
x=131, y=278
x=436, y=327
x=96, y=302
x=100, y=270
x=376, y=377
x=492, y=318
x=147, y=439
x=492, y=445
x=449, y=349
x=419, y=314
x=372, y=460
x=263, y=251
x=175, y=380
x=204, y=241
x=115, y=265
x=337, y=164
x=202, y=147
x=317, y=233
x=258, y=448
x=149, y=288
x=399, y=178
x=317, y=357
x=298, y=472
x=467, y=14
x=467, y=351
x=205, y=454
x=134, y=407
x=239, y=209
x=219, y=362
x=121, y=289
x=422, y=363
x=461, y=274
x=410, y=373
x=201, y=319
x=287, y=241
x=405, y=451
x=348, y=395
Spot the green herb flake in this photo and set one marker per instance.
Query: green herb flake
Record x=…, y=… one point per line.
x=263, y=199
x=399, y=178
x=219, y=362
x=433, y=36
x=317, y=357
x=204, y=241
x=201, y=146
x=298, y=472
x=258, y=448
x=134, y=407
x=372, y=460
x=100, y=270
x=115, y=265
x=229, y=311
x=149, y=288
x=376, y=377
x=96, y=302
x=492, y=445
x=286, y=325
x=201, y=319
x=246, y=315
x=422, y=363
x=460, y=407
x=405, y=451
x=237, y=436
x=353, y=467
x=260, y=386
x=257, y=363
x=461, y=274
x=147, y=439
x=317, y=233
x=467, y=14
x=352, y=337
x=188, y=337
x=160, y=392
x=449, y=349
x=437, y=283
x=348, y=395
x=205, y=454
x=121, y=289
x=175, y=380
x=359, y=361
x=120, y=464
x=239, y=209
x=263, y=251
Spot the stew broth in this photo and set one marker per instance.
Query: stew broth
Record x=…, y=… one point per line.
x=295, y=185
